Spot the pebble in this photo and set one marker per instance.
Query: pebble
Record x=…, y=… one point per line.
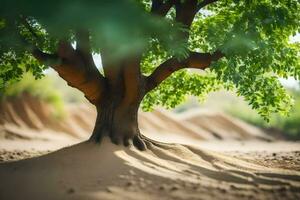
x=70, y=191
x=162, y=187
x=195, y=187
x=233, y=187
x=130, y=183
x=175, y=187
x=108, y=189
x=223, y=190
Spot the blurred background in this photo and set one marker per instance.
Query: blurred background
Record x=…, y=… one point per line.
x=48, y=109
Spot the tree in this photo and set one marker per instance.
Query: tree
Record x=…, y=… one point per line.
x=146, y=48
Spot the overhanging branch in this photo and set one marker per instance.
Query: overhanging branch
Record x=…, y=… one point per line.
x=70, y=67
x=195, y=60
x=46, y=58
x=161, y=7
x=186, y=12
x=76, y=67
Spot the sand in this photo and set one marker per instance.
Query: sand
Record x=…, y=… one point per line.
x=27, y=117
x=170, y=171
x=218, y=157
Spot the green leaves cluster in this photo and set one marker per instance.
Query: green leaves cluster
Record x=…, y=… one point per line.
x=12, y=67
x=122, y=28
x=183, y=83
x=254, y=36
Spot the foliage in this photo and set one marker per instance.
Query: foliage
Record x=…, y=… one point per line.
x=124, y=33
x=289, y=125
x=177, y=87
x=253, y=35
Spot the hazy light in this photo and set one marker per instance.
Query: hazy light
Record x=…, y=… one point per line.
x=98, y=60
x=295, y=38
x=290, y=83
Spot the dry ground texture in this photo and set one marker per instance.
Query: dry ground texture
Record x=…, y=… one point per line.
x=226, y=160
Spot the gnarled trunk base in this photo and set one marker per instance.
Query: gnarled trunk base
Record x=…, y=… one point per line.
x=120, y=124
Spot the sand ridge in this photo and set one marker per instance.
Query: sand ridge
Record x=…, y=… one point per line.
x=30, y=113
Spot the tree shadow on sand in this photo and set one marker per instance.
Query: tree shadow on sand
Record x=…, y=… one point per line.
x=108, y=171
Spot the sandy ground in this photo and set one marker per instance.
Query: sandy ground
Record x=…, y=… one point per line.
x=169, y=171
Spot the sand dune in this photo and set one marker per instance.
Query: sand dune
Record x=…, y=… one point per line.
x=35, y=116
x=27, y=112
x=222, y=126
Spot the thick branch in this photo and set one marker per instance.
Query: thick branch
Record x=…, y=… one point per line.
x=186, y=11
x=195, y=60
x=71, y=68
x=46, y=58
x=161, y=7
x=132, y=80
x=74, y=66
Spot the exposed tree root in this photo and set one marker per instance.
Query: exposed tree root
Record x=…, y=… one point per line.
x=139, y=141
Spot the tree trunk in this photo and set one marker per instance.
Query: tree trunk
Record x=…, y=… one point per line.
x=118, y=121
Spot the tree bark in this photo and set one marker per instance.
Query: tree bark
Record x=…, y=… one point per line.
x=117, y=111
x=121, y=126
x=118, y=121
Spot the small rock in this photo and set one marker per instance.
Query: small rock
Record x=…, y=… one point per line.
x=162, y=187
x=223, y=190
x=108, y=189
x=70, y=191
x=195, y=187
x=130, y=183
x=233, y=187
x=174, y=187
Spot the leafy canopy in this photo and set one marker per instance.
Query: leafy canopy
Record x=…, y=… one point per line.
x=253, y=35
